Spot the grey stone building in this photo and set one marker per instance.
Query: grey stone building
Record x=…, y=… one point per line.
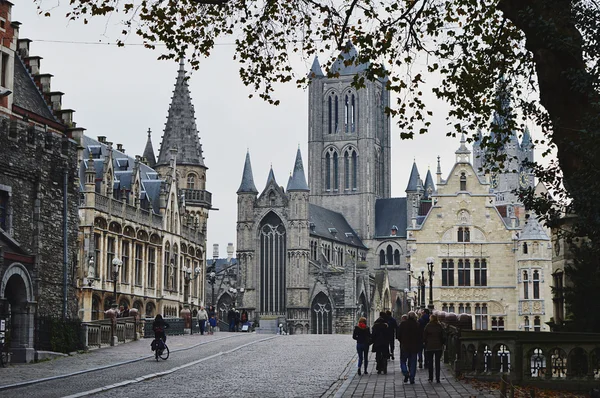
x=38, y=196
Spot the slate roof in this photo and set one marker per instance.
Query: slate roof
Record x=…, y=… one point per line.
x=413, y=180
x=149, y=151
x=388, y=213
x=247, y=184
x=298, y=180
x=533, y=230
x=315, y=69
x=26, y=94
x=429, y=182
x=222, y=263
x=180, y=130
x=348, y=55
x=150, y=186
x=323, y=222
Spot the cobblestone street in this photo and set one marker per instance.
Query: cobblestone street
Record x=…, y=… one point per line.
x=222, y=365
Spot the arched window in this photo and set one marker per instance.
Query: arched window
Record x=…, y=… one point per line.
x=272, y=264
x=346, y=171
x=354, y=170
x=536, y=284
x=526, y=325
x=329, y=116
x=353, y=113
x=346, y=114
x=396, y=257
x=524, y=247
x=537, y=327
x=191, y=181
x=328, y=172
x=381, y=257
x=463, y=182
x=390, y=259
x=461, y=235
x=525, y=285
x=335, y=120
x=336, y=180
x=95, y=308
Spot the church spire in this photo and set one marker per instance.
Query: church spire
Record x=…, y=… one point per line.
x=247, y=185
x=315, y=69
x=413, y=181
x=180, y=130
x=149, y=151
x=271, y=177
x=298, y=181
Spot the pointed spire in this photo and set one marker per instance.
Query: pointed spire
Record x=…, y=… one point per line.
x=298, y=181
x=346, y=62
x=315, y=69
x=180, y=130
x=413, y=181
x=271, y=177
x=532, y=230
x=499, y=119
x=247, y=185
x=429, y=185
x=463, y=151
x=149, y=151
x=478, y=139
x=526, y=142
x=439, y=166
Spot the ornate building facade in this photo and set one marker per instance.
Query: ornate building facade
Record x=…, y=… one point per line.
x=152, y=219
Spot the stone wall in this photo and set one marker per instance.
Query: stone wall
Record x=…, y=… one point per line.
x=32, y=166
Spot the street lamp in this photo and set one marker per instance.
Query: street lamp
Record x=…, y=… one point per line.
x=187, y=274
x=116, y=265
x=212, y=279
x=422, y=288
x=429, y=261
x=406, y=299
x=234, y=293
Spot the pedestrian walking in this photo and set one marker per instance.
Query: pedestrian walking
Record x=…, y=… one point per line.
x=381, y=344
x=362, y=335
x=433, y=338
x=231, y=319
x=408, y=336
x=202, y=318
x=423, y=321
x=392, y=326
x=212, y=321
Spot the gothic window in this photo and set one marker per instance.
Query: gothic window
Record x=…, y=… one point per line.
x=346, y=171
x=447, y=272
x=97, y=240
x=328, y=171
x=461, y=234
x=354, y=170
x=139, y=249
x=451, y=307
x=4, y=203
x=480, y=272
x=321, y=315
x=95, y=308
x=526, y=325
x=396, y=257
x=525, y=285
x=272, y=198
x=174, y=265
x=329, y=115
x=389, y=255
x=445, y=307
x=191, y=181
x=464, y=273
x=272, y=264
x=468, y=309
x=463, y=182
x=461, y=308
x=497, y=323
x=125, y=259
x=524, y=247
x=537, y=327
x=151, y=266
x=110, y=255
x=335, y=120
x=353, y=113
x=381, y=257
x=336, y=179
x=166, y=267
x=464, y=234
x=467, y=236
x=346, y=114
x=481, y=320
x=536, y=284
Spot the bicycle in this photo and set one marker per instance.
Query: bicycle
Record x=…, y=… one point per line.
x=161, y=350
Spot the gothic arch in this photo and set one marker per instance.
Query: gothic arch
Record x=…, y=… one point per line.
x=321, y=313
x=384, y=248
x=19, y=270
x=272, y=237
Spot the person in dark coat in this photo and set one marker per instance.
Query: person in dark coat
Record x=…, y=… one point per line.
x=158, y=327
x=408, y=336
x=392, y=326
x=423, y=321
x=381, y=343
x=231, y=319
x=362, y=335
x=433, y=338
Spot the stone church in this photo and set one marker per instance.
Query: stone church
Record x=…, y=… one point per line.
x=318, y=254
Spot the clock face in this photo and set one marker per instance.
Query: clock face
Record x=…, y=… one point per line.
x=523, y=180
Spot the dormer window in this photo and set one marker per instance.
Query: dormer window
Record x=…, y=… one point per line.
x=333, y=231
x=463, y=182
x=191, y=181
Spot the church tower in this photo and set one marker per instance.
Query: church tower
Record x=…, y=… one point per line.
x=348, y=142
x=181, y=133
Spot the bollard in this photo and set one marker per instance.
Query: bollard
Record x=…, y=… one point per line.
x=502, y=387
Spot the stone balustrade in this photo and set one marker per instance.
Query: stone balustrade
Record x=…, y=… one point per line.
x=123, y=210
x=96, y=334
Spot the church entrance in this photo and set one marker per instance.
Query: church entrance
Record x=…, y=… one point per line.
x=321, y=315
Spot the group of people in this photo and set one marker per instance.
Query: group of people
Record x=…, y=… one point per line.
x=416, y=334
x=207, y=320
x=235, y=319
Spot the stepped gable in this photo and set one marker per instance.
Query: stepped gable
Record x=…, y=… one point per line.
x=180, y=130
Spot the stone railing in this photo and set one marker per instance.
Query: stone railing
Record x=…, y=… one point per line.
x=197, y=196
x=553, y=360
x=121, y=209
x=96, y=334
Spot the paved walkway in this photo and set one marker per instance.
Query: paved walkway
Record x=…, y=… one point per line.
x=392, y=384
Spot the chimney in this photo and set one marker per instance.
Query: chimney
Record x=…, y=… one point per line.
x=34, y=64
x=23, y=47
x=102, y=139
x=66, y=116
x=43, y=81
x=229, y=252
x=215, y=251
x=55, y=99
x=120, y=148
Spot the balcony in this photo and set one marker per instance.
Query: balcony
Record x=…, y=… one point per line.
x=198, y=197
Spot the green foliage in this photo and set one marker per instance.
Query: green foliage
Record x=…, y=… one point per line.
x=58, y=335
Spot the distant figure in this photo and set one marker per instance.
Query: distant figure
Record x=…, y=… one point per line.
x=433, y=337
x=231, y=319
x=362, y=335
x=381, y=343
x=212, y=321
x=408, y=335
x=392, y=326
x=236, y=321
x=244, y=317
x=202, y=318
x=120, y=312
x=423, y=321
x=125, y=312
x=158, y=326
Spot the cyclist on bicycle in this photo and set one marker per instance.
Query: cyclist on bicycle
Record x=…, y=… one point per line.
x=158, y=326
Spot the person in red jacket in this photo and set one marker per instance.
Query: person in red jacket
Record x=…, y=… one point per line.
x=362, y=335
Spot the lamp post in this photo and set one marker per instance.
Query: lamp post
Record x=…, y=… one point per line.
x=406, y=299
x=188, y=278
x=116, y=265
x=212, y=279
x=234, y=293
x=422, y=288
x=429, y=261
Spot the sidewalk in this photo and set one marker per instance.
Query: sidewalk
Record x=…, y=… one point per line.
x=392, y=385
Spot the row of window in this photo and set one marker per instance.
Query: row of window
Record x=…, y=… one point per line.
x=332, y=172
x=338, y=253
x=536, y=284
x=464, y=272
x=481, y=317
x=389, y=256
x=350, y=113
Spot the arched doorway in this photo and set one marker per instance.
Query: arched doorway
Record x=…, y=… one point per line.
x=17, y=312
x=321, y=315
x=223, y=306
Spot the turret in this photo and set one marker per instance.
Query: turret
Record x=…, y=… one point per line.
x=414, y=192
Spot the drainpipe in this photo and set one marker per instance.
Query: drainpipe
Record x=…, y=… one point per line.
x=65, y=251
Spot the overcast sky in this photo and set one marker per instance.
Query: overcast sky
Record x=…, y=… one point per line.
x=121, y=92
